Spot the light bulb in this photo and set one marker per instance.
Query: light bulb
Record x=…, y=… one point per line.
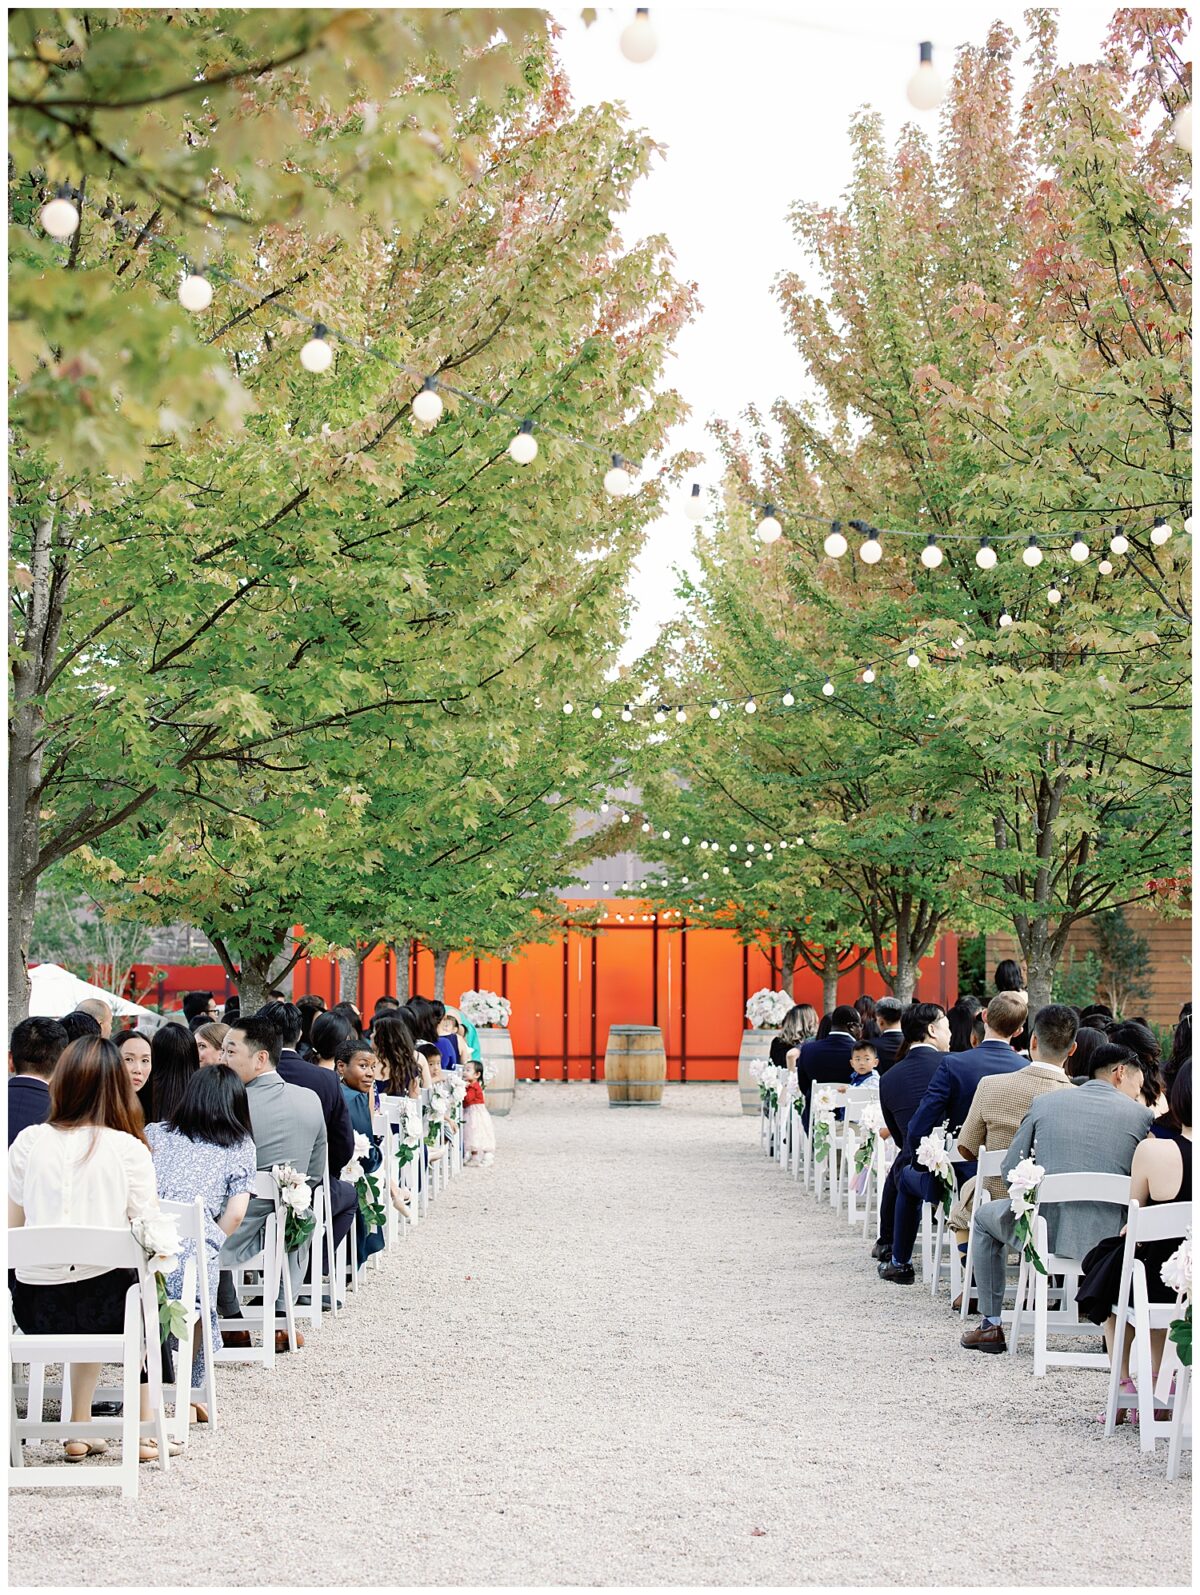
x=871, y=551
x=931, y=554
x=568, y=707
x=1119, y=544
x=523, y=448
x=1079, y=551
x=913, y=660
x=1054, y=596
x=666, y=836
x=1032, y=554
x=749, y=847
x=645, y=827
x=660, y=716
x=960, y=642
x=768, y=529
x=680, y=716
x=985, y=555
x=868, y=675
x=714, y=713
x=604, y=810
x=59, y=216
x=1005, y=620
x=427, y=406
x=686, y=841
x=733, y=847
x=751, y=706
x=783, y=847
x=1182, y=129
x=1105, y=567
x=617, y=481
x=704, y=875
x=925, y=88
x=624, y=819
x=835, y=544
x=627, y=714
x=694, y=504
x=195, y=293
x=827, y=689
x=1160, y=532
x=597, y=712
x=638, y=41
x=317, y=353
x=789, y=699
x=704, y=847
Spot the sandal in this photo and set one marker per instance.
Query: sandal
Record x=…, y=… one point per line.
x=83, y=1448
x=197, y=1413
x=148, y=1449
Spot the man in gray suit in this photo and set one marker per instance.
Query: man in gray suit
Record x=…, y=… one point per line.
x=289, y=1127
x=1093, y=1130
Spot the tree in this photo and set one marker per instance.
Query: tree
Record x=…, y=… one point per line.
x=1124, y=956
x=76, y=926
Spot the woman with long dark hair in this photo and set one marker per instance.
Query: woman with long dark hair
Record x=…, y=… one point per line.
x=962, y=1016
x=398, y=1058
x=174, y=1059
x=88, y=1166
x=206, y=1149
x=329, y=1032
x=864, y=1006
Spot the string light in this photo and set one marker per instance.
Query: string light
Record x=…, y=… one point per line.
x=913, y=661
x=827, y=689
x=646, y=827
x=1079, y=551
x=597, y=713
x=985, y=555
x=714, y=713
x=1120, y=543
x=195, y=292
x=617, y=481
x=666, y=835
x=925, y=88
x=568, y=707
x=524, y=447
x=638, y=40
x=660, y=715
x=868, y=675
x=1006, y=620
x=871, y=551
x=1032, y=554
x=751, y=706
x=693, y=506
x=427, y=406
x=1105, y=567
x=604, y=810
x=317, y=353
x=931, y=554
x=789, y=699
x=624, y=819
x=835, y=544
x=680, y=716
x=768, y=529
x=60, y=216
x=627, y=714
x=1054, y=596
x=1160, y=532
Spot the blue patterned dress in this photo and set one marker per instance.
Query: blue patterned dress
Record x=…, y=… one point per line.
x=186, y=1170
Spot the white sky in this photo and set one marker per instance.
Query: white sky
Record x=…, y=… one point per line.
x=753, y=104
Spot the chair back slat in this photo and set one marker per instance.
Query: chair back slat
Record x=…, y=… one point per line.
x=1163, y=1222
x=57, y=1245
x=1108, y=1188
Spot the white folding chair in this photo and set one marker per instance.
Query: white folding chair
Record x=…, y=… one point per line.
x=855, y=1100
x=1181, y=1420
x=1054, y=1190
x=196, y=1303
x=271, y=1263
x=990, y=1166
x=1133, y=1308
x=137, y=1342
x=943, y=1246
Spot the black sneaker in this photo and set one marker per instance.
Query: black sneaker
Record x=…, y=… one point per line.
x=107, y=1409
x=898, y=1273
x=882, y=1251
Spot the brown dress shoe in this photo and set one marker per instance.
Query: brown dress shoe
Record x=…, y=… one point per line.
x=984, y=1337
x=956, y=1304
x=236, y=1339
x=283, y=1344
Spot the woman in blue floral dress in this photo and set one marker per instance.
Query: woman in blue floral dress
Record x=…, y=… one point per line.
x=206, y=1149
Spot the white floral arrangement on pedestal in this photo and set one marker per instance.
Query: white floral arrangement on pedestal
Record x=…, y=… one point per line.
x=767, y=1009
x=485, y=1008
x=1177, y=1276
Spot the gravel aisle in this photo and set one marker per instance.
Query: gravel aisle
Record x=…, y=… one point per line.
x=611, y=1359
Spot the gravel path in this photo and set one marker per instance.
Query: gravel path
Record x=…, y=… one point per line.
x=633, y=1352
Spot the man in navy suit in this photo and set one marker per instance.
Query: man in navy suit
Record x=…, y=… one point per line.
x=32, y=1054
x=947, y=1100
x=925, y=1030
x=827, y=1058
x=888, y=1013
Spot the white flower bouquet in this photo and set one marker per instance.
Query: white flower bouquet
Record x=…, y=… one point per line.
x=296, y=1196
x=824, y=1102
x=485, y=1008
x=411, y=1131
x=932, y=1155
x=158, y=1236
x=770, y=1078
x=865, y=1129
x=1023, y=1183
x=1177, y=1276
x=767, y=1009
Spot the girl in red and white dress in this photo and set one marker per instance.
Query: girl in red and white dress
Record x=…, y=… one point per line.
x=479, y=1138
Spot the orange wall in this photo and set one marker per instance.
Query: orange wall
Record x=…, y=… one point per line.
x=565, y=994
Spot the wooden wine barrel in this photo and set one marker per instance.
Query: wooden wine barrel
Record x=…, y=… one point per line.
x=756, y=1047
x=496, y=1050
x=635, y=1066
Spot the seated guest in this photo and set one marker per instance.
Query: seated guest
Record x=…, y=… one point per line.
x=138, y=1058
x=356, y=1072
x=962, y=1017
x=210, y=1038
x=979, y=1028
x=289, y=1128
x=32, y=1053
x=285, y=1016
x=199, y=1007
x=888, y=1011
x=97, y=1009
x=1161, y=1172
x=864, y=1064
x=206, y=1149
x=925, y=1035
x=396, y=1056
x=329, y=1033
x=310, y=1005
x=88, y=1165
x=384, y=1006
x=1095, y=1129
x=864, y=1007
x=79, y=1025
x=799, y=1025
x=1001, y=1101
x=1086, y=1042
x=233, y=1007
x=350, y=1012
x=827, y=1060
x=1098, y=1016
x=1137, y=1035
x=447, y=1042
x=174, y=1060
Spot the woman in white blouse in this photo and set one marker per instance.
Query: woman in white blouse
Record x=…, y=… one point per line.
x=89, y=1166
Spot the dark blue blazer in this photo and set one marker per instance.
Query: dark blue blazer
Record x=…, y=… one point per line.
x=948, y=1095
x=28, y=1103
x=824, y=1059
x=903, y=1086
x=325, y=1083
x=887, y=1045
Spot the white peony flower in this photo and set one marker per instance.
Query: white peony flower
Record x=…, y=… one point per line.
x=297, y=1197
x=158, y=1236
x=824, y=1098
x=354, y=1171
x=1023, y=1181
x=485, y=1008
x=1177, y=1270
x=767, y=1009
x=362, y=1146
x=871, y=1118
x=932, y=1155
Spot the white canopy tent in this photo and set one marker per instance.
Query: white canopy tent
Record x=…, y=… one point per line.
x=56, y=991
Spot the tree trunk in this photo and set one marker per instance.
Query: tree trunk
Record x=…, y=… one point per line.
x=349, y=965
x=789, y=952
x=829, y=979
x=441, y=957
x=904, y=981
x=400, y=952
x=1040, y=965
x=254, y=981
